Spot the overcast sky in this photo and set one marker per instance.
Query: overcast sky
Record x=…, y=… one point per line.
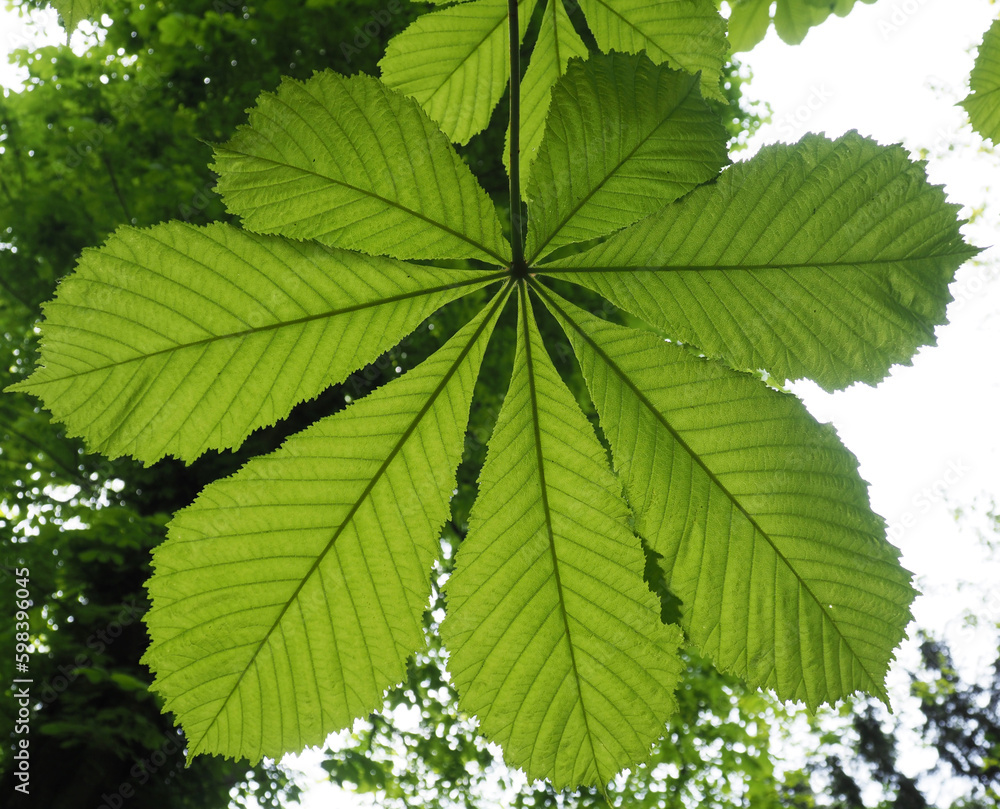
x=927, y=437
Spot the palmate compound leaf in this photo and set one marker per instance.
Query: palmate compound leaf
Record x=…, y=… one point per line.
x=766, y=535
x=822, y=259
x=455, y=62
x=983, y=103
x=289, y=596
x=557, y=43
x=625, y=137
x=353, y=164
x=750, y=19
x=685, y=34
x=555, y=640
x=179, y=339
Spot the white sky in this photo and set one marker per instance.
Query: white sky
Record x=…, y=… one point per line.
x=927, y=437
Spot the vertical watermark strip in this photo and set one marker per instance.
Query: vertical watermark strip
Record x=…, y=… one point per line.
x=21, y=686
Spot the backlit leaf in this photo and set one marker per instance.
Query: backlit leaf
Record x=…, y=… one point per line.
x=750, y=19
x=178, y=339
x=685, y=34
x=289, y=596
x=350, y=163
x=455, y=62
x=823, y=259
x=73, y=12
x=556, y=642
x=762, y=521
x=983, y=103
x=794, y=18
x=624, y=138
x=748, y=23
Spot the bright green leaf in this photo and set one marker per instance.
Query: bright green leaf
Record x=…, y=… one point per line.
x=750, y=19
x=353, y=164
x=763, y=523
x=73, y=12
x=178, y=339
x=289, y=596
x=686, y=34
x=822, y=259
x=983, y=103
x=455, y=62
x=748, y=23
x=555, y=640
x=794, y=18
x=624, y=138
x=557, y=43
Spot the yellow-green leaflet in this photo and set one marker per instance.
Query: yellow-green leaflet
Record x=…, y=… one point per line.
x=453, y=61
x=73, y=12
x=684, y=34
x=750, y=19
x=652, y=151
x=750, y=503
x=983, y=103
x=289, y=596
x=822, y=259
x=353, y=164
x=554, y=636
x=179, y=339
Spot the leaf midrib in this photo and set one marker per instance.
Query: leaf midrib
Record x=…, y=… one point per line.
x=540, y=460
x=500, y=298
x=370, y=194
x=279, y=325
x=554, y=5
x=607, y=177
x=696, y=457
x=553, y=269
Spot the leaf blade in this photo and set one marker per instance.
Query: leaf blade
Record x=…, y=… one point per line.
x=983, y=102
x=608, y=159
x=555, y=640
x=179, y=339
x=750, y=19
x=834, y=277
x=441, y=54
x=748, y=23
x=686, y=34
x=361, y=184
x=73, y=12
x=301, y=581
x=794, y=18
x=759, y=514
